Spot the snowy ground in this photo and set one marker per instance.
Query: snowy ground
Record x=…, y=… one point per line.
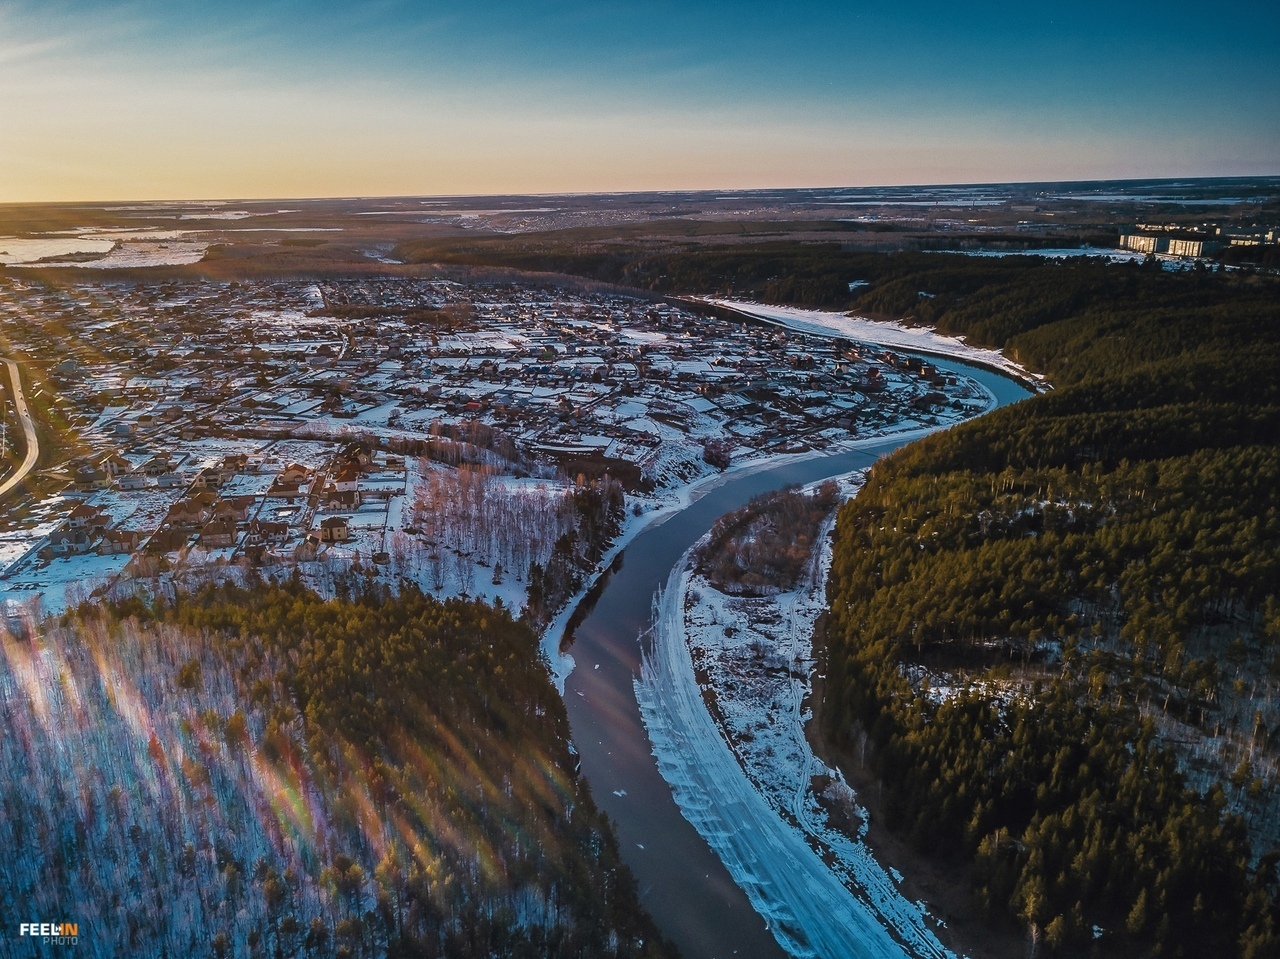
x=136, y=253
x=751, y=795
x=891, y=334
x=132, y=250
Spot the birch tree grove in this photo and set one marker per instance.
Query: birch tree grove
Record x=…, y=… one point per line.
x=470, y=510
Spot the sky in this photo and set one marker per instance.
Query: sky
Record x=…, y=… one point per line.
x=104, y=100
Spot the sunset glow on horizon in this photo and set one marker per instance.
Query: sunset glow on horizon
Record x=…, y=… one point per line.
x=146, y=100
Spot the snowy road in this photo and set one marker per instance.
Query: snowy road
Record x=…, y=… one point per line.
x=28, y=428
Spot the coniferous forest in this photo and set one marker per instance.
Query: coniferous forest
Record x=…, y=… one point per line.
x=260, y=772
x=1095, y=572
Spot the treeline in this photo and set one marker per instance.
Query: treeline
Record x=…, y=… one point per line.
x=763, y=547
x=935, y=288
x=597, y=508
x=468, y=441
x=264, y=773
x=816, y=274
x=453, y=318
x=1099, y=567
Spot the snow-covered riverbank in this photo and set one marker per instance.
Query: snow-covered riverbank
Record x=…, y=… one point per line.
x=670, y=502
x=822, y=893
x=894, y=334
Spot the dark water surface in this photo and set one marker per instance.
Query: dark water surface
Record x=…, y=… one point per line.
x=682, y=882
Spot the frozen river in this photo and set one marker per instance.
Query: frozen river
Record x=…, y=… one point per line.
x=683, y=882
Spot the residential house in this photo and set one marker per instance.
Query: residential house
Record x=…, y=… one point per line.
x=89, y=518
x=113, y=464
x=343, y=492
x=334, y=529
x=233, y=508
x=158, y=465
x=207, y=478
x=346, y=479
x=293, y=475
x=87, y=474
x=356, y=453
x=119, y=541
x=68, y=542
x=266, y=531
x=217, y=534
x=232, y=464
x=293, y=482
x=188, y=512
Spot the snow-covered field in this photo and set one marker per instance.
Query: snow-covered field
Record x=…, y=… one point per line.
x=24, y=250
x=135, y=253
x=113, y=249
x=891, y=334
x=822, y=894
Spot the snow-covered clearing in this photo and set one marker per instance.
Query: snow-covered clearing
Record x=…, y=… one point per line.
x=125, y=255
x=15, y=251
x=896, y=335
x=822, y=894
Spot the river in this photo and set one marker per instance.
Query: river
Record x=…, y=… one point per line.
x=682, y=882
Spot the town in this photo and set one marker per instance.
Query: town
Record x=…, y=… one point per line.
x=319, y=426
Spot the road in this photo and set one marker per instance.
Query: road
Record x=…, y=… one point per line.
x=28, y=428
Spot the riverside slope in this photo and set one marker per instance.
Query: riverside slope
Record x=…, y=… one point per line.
x=809, y=909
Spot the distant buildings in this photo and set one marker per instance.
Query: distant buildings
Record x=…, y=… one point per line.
x=1188, y=246
x=1145, y=244
x=1193, y=247
x=1248, y=235
x=1204, y=240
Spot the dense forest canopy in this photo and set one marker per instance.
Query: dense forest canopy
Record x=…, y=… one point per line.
x=1101, y=564
x=260, y=772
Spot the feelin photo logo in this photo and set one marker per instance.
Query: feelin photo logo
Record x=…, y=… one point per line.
x=52, y=933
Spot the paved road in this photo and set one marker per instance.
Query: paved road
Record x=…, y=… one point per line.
x=28, y=427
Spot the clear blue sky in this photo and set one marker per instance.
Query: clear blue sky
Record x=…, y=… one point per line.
x=103, y=100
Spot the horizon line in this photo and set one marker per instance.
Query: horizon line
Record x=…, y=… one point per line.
x=977, y=184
